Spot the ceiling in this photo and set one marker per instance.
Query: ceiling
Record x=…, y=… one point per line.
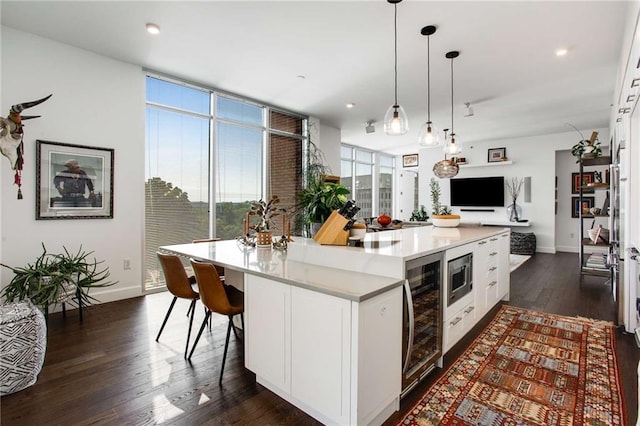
x=507, y=68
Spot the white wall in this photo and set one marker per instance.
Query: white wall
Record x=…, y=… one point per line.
x=328, y=140
x=532, y=157
x=96, y=102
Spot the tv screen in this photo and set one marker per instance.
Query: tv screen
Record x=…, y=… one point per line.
x=478, y=192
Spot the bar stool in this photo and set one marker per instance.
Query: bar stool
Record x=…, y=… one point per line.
x=220, y=298
x=179, y=284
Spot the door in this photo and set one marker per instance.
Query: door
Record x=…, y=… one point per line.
x=408, y=194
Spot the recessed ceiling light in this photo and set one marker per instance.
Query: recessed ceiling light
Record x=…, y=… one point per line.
x=153, y=29
x=351, y=105
x=561, y=51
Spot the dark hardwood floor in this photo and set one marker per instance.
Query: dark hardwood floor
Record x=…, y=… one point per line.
x=108, y=370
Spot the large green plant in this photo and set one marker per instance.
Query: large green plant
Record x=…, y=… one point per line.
x=53, y=277
x=321, y=198
x=318, y=198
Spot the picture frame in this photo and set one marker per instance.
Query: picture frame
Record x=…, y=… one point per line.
x=587, y=203
x=73, y=181
x=587, y=177
x=495, y=155
x=410, y=160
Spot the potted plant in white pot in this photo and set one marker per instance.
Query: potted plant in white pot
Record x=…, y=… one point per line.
x=441, y=215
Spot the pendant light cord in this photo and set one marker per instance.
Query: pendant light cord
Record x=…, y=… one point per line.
x=428, y=80
x=395, y=47
x=451, y=95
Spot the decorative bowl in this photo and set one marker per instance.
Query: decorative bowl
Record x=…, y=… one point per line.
x=446, y=221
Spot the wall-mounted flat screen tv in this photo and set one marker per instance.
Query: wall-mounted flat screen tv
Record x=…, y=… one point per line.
x=478, y=192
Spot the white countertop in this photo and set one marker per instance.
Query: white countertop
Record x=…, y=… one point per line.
x=354, y=273
x=273, y=264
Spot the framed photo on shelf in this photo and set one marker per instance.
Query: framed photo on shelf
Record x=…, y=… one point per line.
x=410, y=160
x=73, y=181
x=587, y=178
x=587, y=203
x=495, y=155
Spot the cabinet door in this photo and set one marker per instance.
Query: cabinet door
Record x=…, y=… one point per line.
x=485, y=266
x=504, y=268
x=320, y=352
x=268, y=330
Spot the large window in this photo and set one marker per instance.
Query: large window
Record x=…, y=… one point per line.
x=208, y=155
x=369, y=175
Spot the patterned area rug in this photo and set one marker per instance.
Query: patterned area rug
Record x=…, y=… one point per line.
x=529, y=368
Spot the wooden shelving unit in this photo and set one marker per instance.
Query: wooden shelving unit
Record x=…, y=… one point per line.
x=594, y=261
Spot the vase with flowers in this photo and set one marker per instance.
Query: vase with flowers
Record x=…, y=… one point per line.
x=514, y=211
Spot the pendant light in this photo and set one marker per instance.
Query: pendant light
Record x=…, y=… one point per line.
x=395, y=120
x=445, y=168
x=452, y=146
x=429, y=135
x=448, y=168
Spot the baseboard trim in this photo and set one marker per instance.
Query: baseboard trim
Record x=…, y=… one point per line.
x=105, y=295
x=567, y=249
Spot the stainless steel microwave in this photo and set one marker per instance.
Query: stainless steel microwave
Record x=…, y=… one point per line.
x=460, y=277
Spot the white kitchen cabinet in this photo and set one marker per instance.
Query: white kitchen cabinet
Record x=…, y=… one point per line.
x=490, y=284
x=337, y=359
x=320, y=351
x=267, y=306
x=459, y=320
x=485, y=273
x=459, y=316
x=504, y=267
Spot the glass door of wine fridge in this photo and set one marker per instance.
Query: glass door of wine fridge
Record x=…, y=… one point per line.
x=422, y=325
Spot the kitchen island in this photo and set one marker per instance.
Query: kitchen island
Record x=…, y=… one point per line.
x=324, y=323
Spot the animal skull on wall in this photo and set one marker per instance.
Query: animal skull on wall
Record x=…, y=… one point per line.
x=11, y=134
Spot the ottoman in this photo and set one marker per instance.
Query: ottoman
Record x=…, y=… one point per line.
x=23, y=343
x=523, y=243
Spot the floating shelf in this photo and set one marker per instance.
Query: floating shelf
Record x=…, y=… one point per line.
x=589, y=243
x=497, y=163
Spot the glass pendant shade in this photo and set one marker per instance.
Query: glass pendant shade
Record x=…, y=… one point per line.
x=429, y=135
x=445, y=169
x=453, y=145
x=396, y=121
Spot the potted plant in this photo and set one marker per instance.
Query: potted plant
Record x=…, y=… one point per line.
x=266, y=212
x=319, y=198
x=587, y=148
x=440, y=214
x=419, y=215
x=57, y=278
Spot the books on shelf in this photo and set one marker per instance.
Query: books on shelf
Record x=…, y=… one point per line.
x=596, y=260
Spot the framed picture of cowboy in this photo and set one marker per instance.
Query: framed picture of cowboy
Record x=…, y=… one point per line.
x=73, y=181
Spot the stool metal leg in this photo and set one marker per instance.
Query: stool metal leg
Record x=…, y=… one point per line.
x=166, y=317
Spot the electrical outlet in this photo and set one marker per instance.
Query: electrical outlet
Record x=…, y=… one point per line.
x=126, y=264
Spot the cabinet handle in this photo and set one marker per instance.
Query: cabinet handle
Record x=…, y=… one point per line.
x=493, y=268
x=492, y=283
x=504, y=235
x=482, y=242
x=469, y=309
x=494, y=239
x=493, y=253
x=456, y=320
